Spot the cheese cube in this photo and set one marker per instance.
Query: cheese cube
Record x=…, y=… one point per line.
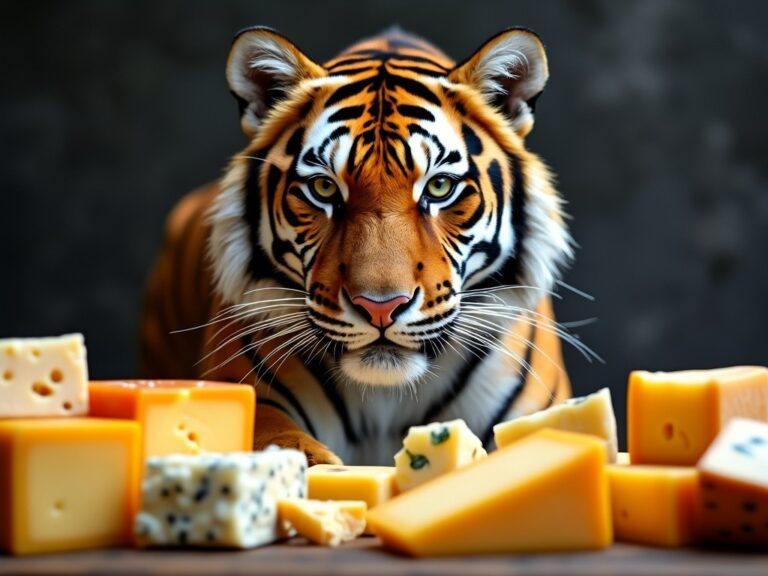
x=67, y=483
x=181, y=416
x=324, y=522
x=212, y=500
x=371, y=484
x=591, y=414
x=734, y=486
x=435, y=449
x=546, y=492
x=674, y=416
x=654, y=504
x=43, y=377
x=622, y=458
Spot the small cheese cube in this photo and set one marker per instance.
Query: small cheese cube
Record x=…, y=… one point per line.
x=212, y=500
x=326, y=522
x=654, y=504
x=674, y=416
x=371, y=484
x=435, y=449
x=67, y=483
x=181, y=416
x=591, y=414
x=548, y=491
x=43, y=377
x=734, y=486
x=623, y=458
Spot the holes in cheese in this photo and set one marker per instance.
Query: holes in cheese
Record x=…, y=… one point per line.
x=43, y=376
x=674, y=416
x=326, y=522
x=548, y=491
x=592, y=414
x=435, y=449
x=733, y=504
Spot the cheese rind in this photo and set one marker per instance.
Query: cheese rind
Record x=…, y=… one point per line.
x=43, y=377
x=431, y=450
x=181, y=416
x=547, y=492
x=326, y=522
x=67, y=483
x=654, y=505
x=218, y=500
x=674, y=416
x=592, y=414
x=733, y=504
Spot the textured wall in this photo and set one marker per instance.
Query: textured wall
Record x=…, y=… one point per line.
x=653, y=119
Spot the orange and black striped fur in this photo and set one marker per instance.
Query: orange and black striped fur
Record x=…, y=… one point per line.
x=382, y=252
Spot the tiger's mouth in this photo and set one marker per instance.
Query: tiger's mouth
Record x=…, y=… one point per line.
x=383, y=364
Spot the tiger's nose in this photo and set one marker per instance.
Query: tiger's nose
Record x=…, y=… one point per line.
x=380, y=312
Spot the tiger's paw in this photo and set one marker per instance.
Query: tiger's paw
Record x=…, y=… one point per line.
x=316, y=452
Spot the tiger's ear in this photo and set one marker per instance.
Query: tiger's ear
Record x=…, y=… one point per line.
x=262, y=68
x=511, y=70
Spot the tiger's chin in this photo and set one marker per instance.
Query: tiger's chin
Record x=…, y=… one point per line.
x=383, y=365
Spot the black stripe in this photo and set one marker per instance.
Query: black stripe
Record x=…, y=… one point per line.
x=417, y=70
x=328, y=319
x=516, y=390
x=417, y=112
x=333, y=396
x=276, y=405
x=347, y=113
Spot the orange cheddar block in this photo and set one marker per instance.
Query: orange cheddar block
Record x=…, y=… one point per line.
x=68, y=483
x=180, y=416
x=674, y=416
x=371, y=484
x=733, y=507
x=654, y=505
x=545, y=492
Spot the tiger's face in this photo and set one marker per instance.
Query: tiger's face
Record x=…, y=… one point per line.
x=385, y=185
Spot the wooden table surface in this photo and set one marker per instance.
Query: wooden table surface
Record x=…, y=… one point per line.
x=365, y=558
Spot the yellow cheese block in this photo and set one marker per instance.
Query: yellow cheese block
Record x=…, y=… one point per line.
x=591, y=414
x=674, y=416
x=326, y=522
x=43, y=377
x=654, y=504
x=181, y=416
x=371, y=484
x=546, y=492
x=733, y=508
x=67, y=483
x=435, y=449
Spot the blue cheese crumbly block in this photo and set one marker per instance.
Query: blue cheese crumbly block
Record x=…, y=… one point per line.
x=218, y=500
x=434, y=449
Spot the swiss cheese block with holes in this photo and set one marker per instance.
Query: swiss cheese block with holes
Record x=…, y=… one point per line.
x=327, y=522
x=592, y=414
x=733, y=505
x=674, y=416
x=181, y=416
x=218, y=500
x=654, y=505
x=435, y=449
x=547, y=492
x=67, y=483
x=43, y=377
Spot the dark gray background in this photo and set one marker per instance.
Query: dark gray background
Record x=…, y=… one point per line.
x=654, y=120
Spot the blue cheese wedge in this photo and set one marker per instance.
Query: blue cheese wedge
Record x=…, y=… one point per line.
x=43, y=377
x=592, y=414
x=218, y=500
x=431, y=450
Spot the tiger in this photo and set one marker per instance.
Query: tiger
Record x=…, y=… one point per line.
x=383, y=252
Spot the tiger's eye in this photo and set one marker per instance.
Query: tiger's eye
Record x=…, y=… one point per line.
x=439, y=186
x=324, y=187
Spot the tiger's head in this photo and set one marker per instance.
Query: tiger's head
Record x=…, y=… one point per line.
x=384, y=185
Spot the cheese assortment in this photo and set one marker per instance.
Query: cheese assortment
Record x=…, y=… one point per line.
x=326, y=522
x=733, y=507
x=654, y=505
x=591, y=414
x=548, y=491
x=43, y=377
x=674, y=416
x=180, y=416
x=431, y=450
x=218, y=500
x=67, y=483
